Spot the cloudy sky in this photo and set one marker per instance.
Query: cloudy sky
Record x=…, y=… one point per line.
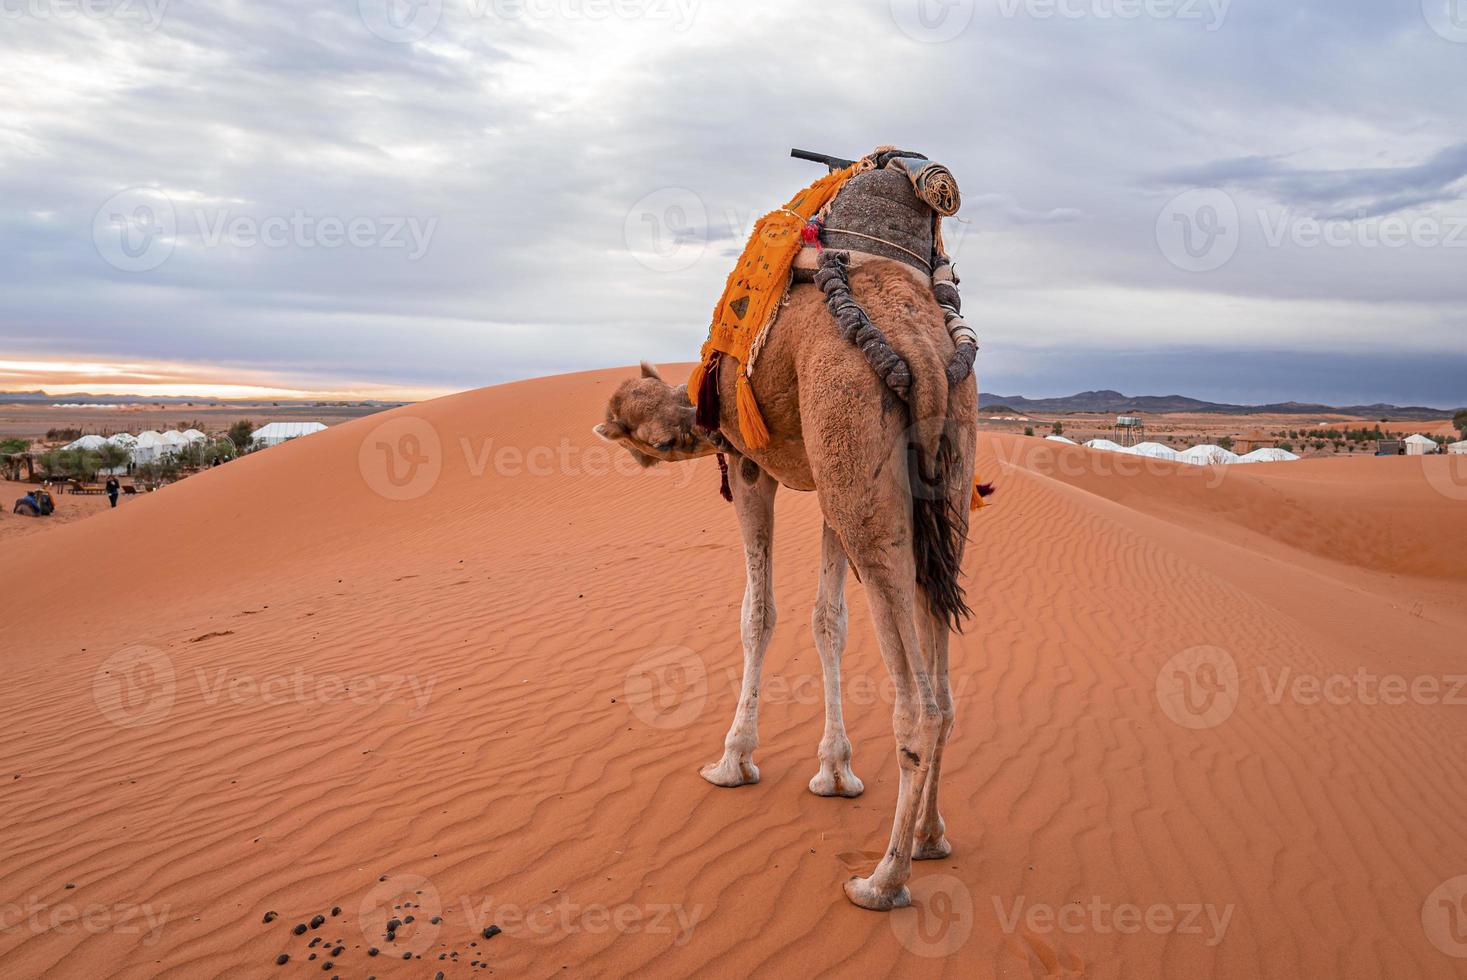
x=1237, y=199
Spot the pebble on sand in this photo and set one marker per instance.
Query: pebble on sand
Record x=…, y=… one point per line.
x=282, y=959
x=492, y=931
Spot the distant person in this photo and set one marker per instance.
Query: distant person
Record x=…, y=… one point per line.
x=113, y=489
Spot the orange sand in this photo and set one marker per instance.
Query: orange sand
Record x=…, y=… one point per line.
x=498, y=751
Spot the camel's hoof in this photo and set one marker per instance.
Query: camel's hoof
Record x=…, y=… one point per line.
x=861, y=892
x=840, y=782
x=930, y=850
x=730, y=773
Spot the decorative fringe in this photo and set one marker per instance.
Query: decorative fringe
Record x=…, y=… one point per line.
x=980, y=490
x=703, y=391
x=725, y=491
x=751, y=423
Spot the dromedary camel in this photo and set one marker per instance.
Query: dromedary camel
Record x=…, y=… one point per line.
x=837, y=429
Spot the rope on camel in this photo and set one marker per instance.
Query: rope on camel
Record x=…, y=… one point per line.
x=834, y=280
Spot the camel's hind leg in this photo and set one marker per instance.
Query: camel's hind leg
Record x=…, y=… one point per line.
x=754, y=502
x=931, y=843
x=835, y=777
x=916, y=722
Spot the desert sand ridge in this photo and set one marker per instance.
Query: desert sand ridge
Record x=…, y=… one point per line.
x=499, y=755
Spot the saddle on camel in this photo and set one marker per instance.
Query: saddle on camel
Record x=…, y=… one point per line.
x=838, y=362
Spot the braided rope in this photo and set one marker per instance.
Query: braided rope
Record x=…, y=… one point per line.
x=834, y=281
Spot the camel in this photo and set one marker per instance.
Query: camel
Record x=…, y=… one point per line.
x=838, y=430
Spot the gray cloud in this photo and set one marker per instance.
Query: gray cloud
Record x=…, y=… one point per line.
x=589, y=179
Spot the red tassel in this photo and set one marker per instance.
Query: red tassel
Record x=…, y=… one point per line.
x=725, y=490
x=811, y=233
x=708, y=413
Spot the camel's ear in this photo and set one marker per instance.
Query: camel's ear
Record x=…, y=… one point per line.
x=649, y=371
x=610, y=431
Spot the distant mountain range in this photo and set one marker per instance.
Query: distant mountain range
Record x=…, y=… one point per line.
x=1107, y=402
x=86, y=398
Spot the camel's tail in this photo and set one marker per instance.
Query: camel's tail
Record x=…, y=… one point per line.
x=939, y=529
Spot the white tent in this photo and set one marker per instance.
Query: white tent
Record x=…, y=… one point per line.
x=1419, y=445
x=1153, y=449
x=149, y=447
x=1105, y=444
x=124, y=439
x=1068, y=442
x=194, y=435
x=1267, y=455
x=1206, y=455
x=1458, y=448
x=277, y=432
x=87, y=442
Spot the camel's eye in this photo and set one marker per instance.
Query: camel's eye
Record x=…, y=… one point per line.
x=663, y=446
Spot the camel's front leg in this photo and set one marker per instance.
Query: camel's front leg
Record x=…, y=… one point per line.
x=829, y=624
x=754, y=503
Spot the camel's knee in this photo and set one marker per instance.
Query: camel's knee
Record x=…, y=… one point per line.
x=828, y=623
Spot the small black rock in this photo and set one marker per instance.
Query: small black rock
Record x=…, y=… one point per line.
x=338, y=951
x=300, y=929
x=436, y=919
x=317, y=921
x=407, y=956
x=492, y=931
x=282, y=959
x=269, y=917
x=392, y=924
x=326, y=965
x=373, y=951
x=335, y=911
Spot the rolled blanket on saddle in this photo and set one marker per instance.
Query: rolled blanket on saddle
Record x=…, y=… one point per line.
x=933, y=183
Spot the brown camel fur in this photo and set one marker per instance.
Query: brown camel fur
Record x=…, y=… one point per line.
x=838, y=430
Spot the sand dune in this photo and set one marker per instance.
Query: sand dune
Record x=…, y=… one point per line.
x=489, y=677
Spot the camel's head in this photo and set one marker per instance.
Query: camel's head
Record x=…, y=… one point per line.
x=653, y=421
